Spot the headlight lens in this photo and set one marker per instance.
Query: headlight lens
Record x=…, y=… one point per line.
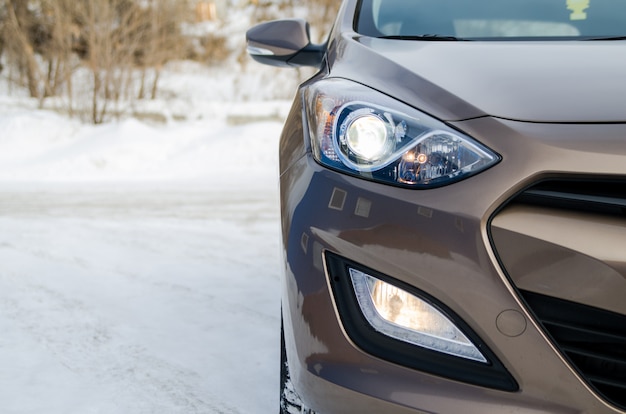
x=366, y=136
x=362, y=132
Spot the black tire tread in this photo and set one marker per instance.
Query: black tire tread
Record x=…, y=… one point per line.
x=290, y=402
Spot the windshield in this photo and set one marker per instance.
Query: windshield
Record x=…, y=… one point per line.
x=492, y=19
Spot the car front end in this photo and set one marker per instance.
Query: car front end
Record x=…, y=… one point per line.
x=453, y=226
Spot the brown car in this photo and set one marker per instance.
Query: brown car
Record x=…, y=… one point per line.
x=453, y=196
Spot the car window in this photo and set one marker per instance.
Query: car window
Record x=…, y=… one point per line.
x=493, y=19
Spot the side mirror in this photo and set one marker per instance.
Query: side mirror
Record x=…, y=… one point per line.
x=284, y=43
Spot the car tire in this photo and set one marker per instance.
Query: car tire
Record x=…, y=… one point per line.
x=290, y=402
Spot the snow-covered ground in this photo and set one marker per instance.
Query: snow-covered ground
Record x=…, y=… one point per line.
x=139, y=262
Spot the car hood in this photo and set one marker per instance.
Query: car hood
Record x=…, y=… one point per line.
x=568, y=81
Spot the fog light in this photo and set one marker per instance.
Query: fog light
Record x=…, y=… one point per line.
x=401, y=315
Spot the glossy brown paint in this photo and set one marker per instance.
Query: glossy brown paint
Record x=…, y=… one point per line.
x=573, y=256
x=287, y=37
x=575, y=82
x=465, y=244
x=436, y=240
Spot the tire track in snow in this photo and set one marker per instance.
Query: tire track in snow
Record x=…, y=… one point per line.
x=62, y=241
x=86, y=346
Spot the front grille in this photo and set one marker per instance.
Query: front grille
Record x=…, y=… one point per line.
x=598, y=195
x=593, y=340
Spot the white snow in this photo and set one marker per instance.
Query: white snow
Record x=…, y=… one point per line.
x=139, y=261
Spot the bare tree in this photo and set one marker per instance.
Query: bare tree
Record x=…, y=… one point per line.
x=162, y=39
x=59, y=46
x=2, y=24
x=123, y=44
x=19, y=26
x=124, y=39
x=119, y=41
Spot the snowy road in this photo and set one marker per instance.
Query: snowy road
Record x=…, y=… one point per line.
x=138, y=300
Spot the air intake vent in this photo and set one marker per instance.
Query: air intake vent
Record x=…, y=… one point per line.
x=606, y=196
x=594, y=341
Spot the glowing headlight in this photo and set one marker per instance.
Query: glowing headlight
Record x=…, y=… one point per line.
x=386, y=140
x=403, y=316
x=366, y=137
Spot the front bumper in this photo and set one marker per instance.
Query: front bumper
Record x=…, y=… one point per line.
x=439, y=241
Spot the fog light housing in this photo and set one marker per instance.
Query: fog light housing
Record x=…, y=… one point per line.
x=399, y=314
x=401, y=324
